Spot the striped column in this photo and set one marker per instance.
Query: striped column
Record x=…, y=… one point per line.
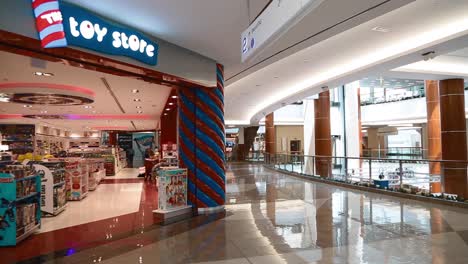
x=49, y=23
x=201, y=143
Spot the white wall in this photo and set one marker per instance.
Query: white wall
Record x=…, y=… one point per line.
x=353, y=145
x=309, y=134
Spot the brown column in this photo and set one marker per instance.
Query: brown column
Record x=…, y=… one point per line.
x=434, y=150
x=323, y=143
x=113, y=138
x=243, y=149
x=270, y=134
x=453, y=128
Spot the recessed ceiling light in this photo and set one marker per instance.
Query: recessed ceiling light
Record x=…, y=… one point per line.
x=174, y=96
x=135, y=91
x=140, y=112
x=168, y=109
x=381, y=29
x=171, y=103
x=136, y=100
x=27, y=106
x=165, y=114
x=138, y=107
x=88, y=106
x=46, y=74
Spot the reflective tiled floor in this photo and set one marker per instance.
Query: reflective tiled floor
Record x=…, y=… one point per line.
x=274, y=218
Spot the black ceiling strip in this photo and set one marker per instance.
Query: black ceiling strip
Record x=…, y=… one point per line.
x=112, y=94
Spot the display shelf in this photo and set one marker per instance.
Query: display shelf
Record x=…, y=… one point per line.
x=26, y=178
x=59, y=184
x=30, y=231
x=52, y=186
x=19, y=216
x=26, y=197
x=59, y=210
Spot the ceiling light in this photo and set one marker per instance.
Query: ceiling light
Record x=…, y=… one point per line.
x=381, y=29
x=44, y=112
x=165, y=114
x=88, y=107
x=27, y=106
x=135, y=91
x=174, y=96
x=140, y=112
x=171, y=103
x=138, y=107
x=4, y=98
x=168, y=109
x=45, y=74
x=136, y=100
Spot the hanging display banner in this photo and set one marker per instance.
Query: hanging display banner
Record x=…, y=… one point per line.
x=61, y=24
x=276, y=19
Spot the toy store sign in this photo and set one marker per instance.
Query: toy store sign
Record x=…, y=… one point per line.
x=61, y=24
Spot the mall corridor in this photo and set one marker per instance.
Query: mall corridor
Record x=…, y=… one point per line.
x=276, y=218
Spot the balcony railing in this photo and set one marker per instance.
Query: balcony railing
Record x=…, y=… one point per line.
x=417, y=176
x=396, y=153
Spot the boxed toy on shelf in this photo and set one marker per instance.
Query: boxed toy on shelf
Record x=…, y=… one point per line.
x=96, y=172
x=76, y=179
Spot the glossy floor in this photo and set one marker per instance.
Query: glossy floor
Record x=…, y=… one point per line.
x=274, y=218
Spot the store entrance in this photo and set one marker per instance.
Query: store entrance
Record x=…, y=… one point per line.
x=76, y=139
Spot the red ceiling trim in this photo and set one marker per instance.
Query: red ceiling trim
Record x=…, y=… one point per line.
x=47, y=85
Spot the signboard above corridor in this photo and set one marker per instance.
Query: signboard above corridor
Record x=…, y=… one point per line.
x=276, y=19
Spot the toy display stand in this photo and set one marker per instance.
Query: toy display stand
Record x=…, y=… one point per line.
x=96, y=172
x=53, y=189
x=172, y=193
x=20, y=215
x=76, y=178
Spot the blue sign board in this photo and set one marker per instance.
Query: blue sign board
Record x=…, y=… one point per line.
x=84, y=29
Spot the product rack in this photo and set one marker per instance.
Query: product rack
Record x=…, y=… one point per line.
x=19, y=138
x=53, y=189
x=76, y=178
x=19, y=207
x=96, y=172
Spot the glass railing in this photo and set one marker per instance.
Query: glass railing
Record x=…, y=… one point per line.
x=392, y=95
x=417, y=176
x=396, y=153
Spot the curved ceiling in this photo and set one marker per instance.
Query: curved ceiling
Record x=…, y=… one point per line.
x=350, y=55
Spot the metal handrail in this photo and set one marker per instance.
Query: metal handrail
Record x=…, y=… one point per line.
x=370, y=171
x=372, y=158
